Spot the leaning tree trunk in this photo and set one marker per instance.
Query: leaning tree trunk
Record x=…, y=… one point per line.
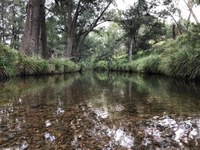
x=30, y=40
x=190, y=7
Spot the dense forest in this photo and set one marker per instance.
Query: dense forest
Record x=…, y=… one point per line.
x=49, y=37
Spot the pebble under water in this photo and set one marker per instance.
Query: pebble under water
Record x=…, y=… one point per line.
x=99, y=111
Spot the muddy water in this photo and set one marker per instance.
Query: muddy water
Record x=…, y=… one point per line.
x=102, y=111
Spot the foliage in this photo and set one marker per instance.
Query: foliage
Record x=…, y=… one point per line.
x=101, y=65
x=12, y=14
x=14, y=63
x=102, y=45
x=55, y=37
x=141, y=25
x=179, y=58
x=8, y=57
x=75, y=20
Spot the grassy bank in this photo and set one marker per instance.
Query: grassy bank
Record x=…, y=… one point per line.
x=176, y=58
x=14, y=63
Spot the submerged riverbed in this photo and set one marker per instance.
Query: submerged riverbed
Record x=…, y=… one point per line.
x=92, y=111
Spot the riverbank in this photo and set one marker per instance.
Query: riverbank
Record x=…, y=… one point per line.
x=178, y=58
x=175, y=58
x=14, y=63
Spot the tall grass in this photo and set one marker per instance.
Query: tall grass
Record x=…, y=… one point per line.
x=13, y=63
x=176, y=58
x=8, y=57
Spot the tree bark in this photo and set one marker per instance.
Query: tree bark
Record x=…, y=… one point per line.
x=43, y=38
x=14, y=39
x=30, y=40
x=130, y=51
x=70, y=31
x=70, y=41
x=2, y=22
x=173, y=31
x=72, y=26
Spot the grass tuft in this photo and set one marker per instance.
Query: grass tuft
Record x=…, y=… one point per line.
x=13, y=63
x=176, y=58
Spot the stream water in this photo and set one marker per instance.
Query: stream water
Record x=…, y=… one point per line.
x=92, y=111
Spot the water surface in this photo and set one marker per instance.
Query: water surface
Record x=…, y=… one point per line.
x=99, y=111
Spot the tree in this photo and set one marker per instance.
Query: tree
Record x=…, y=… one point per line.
x=2, y=27
x=16, y=22
x=190, y=4
x=12, y=14
x=131, y=22
x=30, y=41
x=35, y=26
x=102, y=45
x=171, y=10
x=45, y=53
x=80, y=18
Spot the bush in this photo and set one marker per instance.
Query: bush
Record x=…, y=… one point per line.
x=8, y=58
x=175, y=58
x=101, y=65
x=14, y=63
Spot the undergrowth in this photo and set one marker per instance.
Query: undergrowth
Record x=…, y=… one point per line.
x=14, y=63
x=176, y=58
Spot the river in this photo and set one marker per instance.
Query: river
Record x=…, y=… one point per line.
x=105, y=111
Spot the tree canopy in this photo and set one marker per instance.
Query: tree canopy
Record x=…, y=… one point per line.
x=76, y=29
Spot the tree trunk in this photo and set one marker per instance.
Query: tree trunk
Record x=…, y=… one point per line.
x=177, y=25
x=70, y=30
x=14, y=39
x=173, y=31
x=130, y=52
x=188, y=22
x=3, y=30
x=30, y=40
x=2, y=23
x=43, y=38
x=70, y=40
x=72, y=25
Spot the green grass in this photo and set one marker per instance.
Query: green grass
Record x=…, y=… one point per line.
x=14, y=63
x=176, y=58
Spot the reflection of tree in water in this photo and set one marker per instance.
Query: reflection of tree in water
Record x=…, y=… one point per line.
x=79, y=127
x=120, y=90
x=37, y=91
x=95, y=110
x=157, y=94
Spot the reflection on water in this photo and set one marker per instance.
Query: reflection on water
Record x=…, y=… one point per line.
x=99, y=111
x=102, y=113
x=166, y=132
x=120, y=137
x=49, y=137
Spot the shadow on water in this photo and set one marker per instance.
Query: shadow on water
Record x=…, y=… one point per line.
x=99, y=111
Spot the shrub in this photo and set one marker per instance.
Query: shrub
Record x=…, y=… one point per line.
x=14, y=63
x=175, y=58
